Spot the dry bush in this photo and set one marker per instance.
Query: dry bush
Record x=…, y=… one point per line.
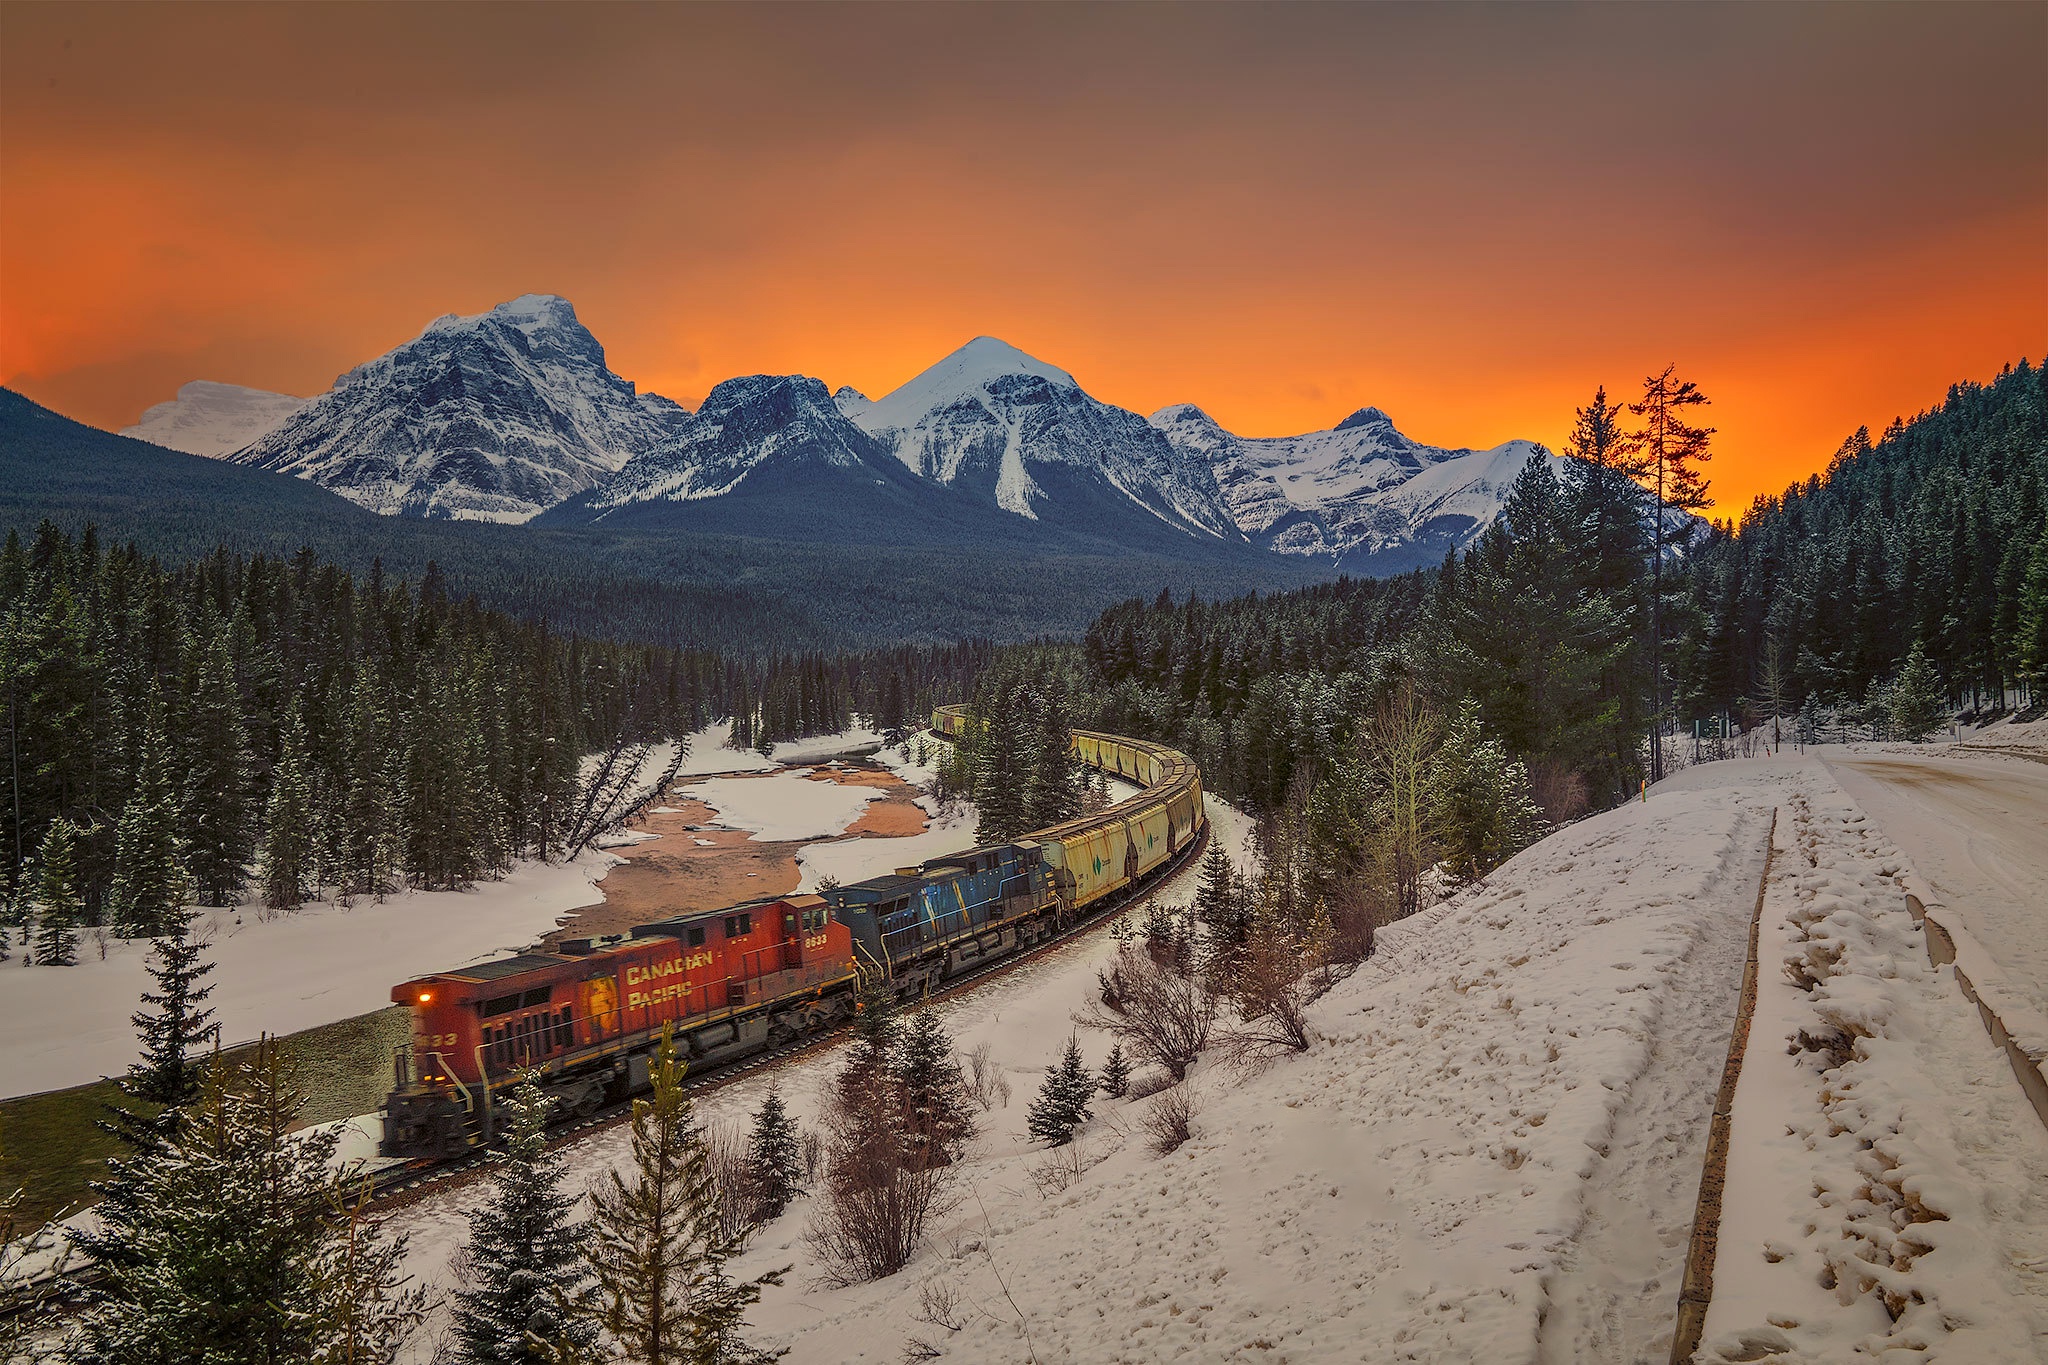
x=813, y=1149
x=1169, y=1120
x=1146, y=1084
x=725, y=1153
x=1560, y=791
x=869, y=1226
x=1161, y=1011
x=1277, y=975
x=1062, y=1166
x=875, y=1198
x=986, y=1083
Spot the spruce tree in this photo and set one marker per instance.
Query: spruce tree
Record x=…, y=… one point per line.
x=1218, y=907
x=775, y=1165
x=937, y=1110
x=58, y=905
x=150, y=887
x=159, y=1087
x=176, y=1022
x=1062, y=1102
x=658, y=1248
x=526, y=1294
x=242, y=1245
x=288, y=842
x=1916, y=702
x=1116, y=1072
x=219, y=835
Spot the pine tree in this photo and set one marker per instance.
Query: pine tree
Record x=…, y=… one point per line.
x=2031, y=642
x=1484, y=811
x=658, y=1249
x=150, y=888
x=1674, y=449
x=177, y=1022
x=58, y=906
x=1062, y=1102
x=775, y=1166
x=937, y=1110
x=217, y=796
x=526, y=1294
x=1116, y=1072
x=288, y=842
x=1916, y=703
x=242, y=1246
x=159, y=1086
x=1218, y=907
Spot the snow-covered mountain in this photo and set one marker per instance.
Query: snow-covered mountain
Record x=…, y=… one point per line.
x=1014, y=431
x=493, y=417
x=1361, y=494
x=213, y=419
x=758, y=430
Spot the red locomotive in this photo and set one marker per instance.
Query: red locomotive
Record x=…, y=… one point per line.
x=732, y=981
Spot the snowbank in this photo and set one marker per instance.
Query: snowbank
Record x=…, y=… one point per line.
x=783, y=806
x=65, y=1026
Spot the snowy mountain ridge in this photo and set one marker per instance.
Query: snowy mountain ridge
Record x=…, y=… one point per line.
x=1022, y=433
x=754, y=427
x=494, y=416
x=213, y=419
x=1356, y=493
x=510, y=413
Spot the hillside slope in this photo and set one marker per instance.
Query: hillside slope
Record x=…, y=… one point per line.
x=1491, y=1152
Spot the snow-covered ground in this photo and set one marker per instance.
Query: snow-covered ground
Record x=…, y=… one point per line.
x=274, y=973
x=1493, y=1149
x=1887, y=1190
x=783, y=805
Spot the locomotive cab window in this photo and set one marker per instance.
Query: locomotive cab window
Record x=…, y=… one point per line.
x=738, y=926
x=697, y=936
x=539, y=997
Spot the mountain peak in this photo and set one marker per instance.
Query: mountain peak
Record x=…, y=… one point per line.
x=965, y=372
x=1366, y=417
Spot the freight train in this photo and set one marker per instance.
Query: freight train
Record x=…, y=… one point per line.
x=750, y=977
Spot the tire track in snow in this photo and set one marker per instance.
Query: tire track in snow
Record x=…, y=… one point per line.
x=1615, y=1294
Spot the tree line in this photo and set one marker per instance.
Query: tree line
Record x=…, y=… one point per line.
x=1932, y=538
x=249, y=724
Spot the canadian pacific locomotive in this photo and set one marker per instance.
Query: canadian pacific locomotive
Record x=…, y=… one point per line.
x=754, y=976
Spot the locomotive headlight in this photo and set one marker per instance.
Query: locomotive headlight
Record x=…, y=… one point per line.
x=426, y=996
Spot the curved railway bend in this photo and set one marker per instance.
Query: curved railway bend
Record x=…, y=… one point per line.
x=1090, y=885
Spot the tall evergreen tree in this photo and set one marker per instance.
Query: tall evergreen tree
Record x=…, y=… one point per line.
x=1675, y=449
x=150, y=888
x=775, y=1167
x=288, y=837
x=216, y=795
x=1916, y=703
x=938, y=1117
x=658, y=1248
x=526, y=1296
x=160, y=1085
x=1218, y=907
x=58, y=906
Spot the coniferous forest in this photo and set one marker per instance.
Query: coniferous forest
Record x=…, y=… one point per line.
x=254, y=724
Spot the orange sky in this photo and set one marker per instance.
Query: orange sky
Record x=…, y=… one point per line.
x=1466, y=215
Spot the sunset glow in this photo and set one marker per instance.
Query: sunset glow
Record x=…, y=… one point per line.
x=1467, y=216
